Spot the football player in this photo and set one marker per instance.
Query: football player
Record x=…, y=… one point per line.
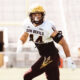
x=43, y=33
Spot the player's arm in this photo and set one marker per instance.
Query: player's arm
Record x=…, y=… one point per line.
x=21, y=41
x=64, y=44
x=58, y=38
x=24, y=37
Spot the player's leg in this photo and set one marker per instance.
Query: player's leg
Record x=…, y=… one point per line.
x=52, y=71
x=27, y=75
x=35, y=70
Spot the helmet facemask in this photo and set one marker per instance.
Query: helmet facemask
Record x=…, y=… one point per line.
x=36, y=20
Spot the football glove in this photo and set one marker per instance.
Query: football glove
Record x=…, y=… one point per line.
x=19, y=46
x=70, y=63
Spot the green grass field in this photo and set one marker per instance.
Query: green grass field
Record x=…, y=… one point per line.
x=17, y=74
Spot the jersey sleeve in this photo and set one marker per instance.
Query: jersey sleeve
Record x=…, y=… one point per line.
x=51, y=28
x=26, y=24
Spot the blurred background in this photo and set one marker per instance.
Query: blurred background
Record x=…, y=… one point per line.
x=64, y=13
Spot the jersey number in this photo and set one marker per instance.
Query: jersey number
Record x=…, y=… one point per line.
x=39, y=39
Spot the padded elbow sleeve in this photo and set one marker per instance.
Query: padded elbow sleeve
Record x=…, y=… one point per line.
x=58, y=37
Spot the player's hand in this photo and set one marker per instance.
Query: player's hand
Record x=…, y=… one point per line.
x=70, y=63
x=19, y=47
